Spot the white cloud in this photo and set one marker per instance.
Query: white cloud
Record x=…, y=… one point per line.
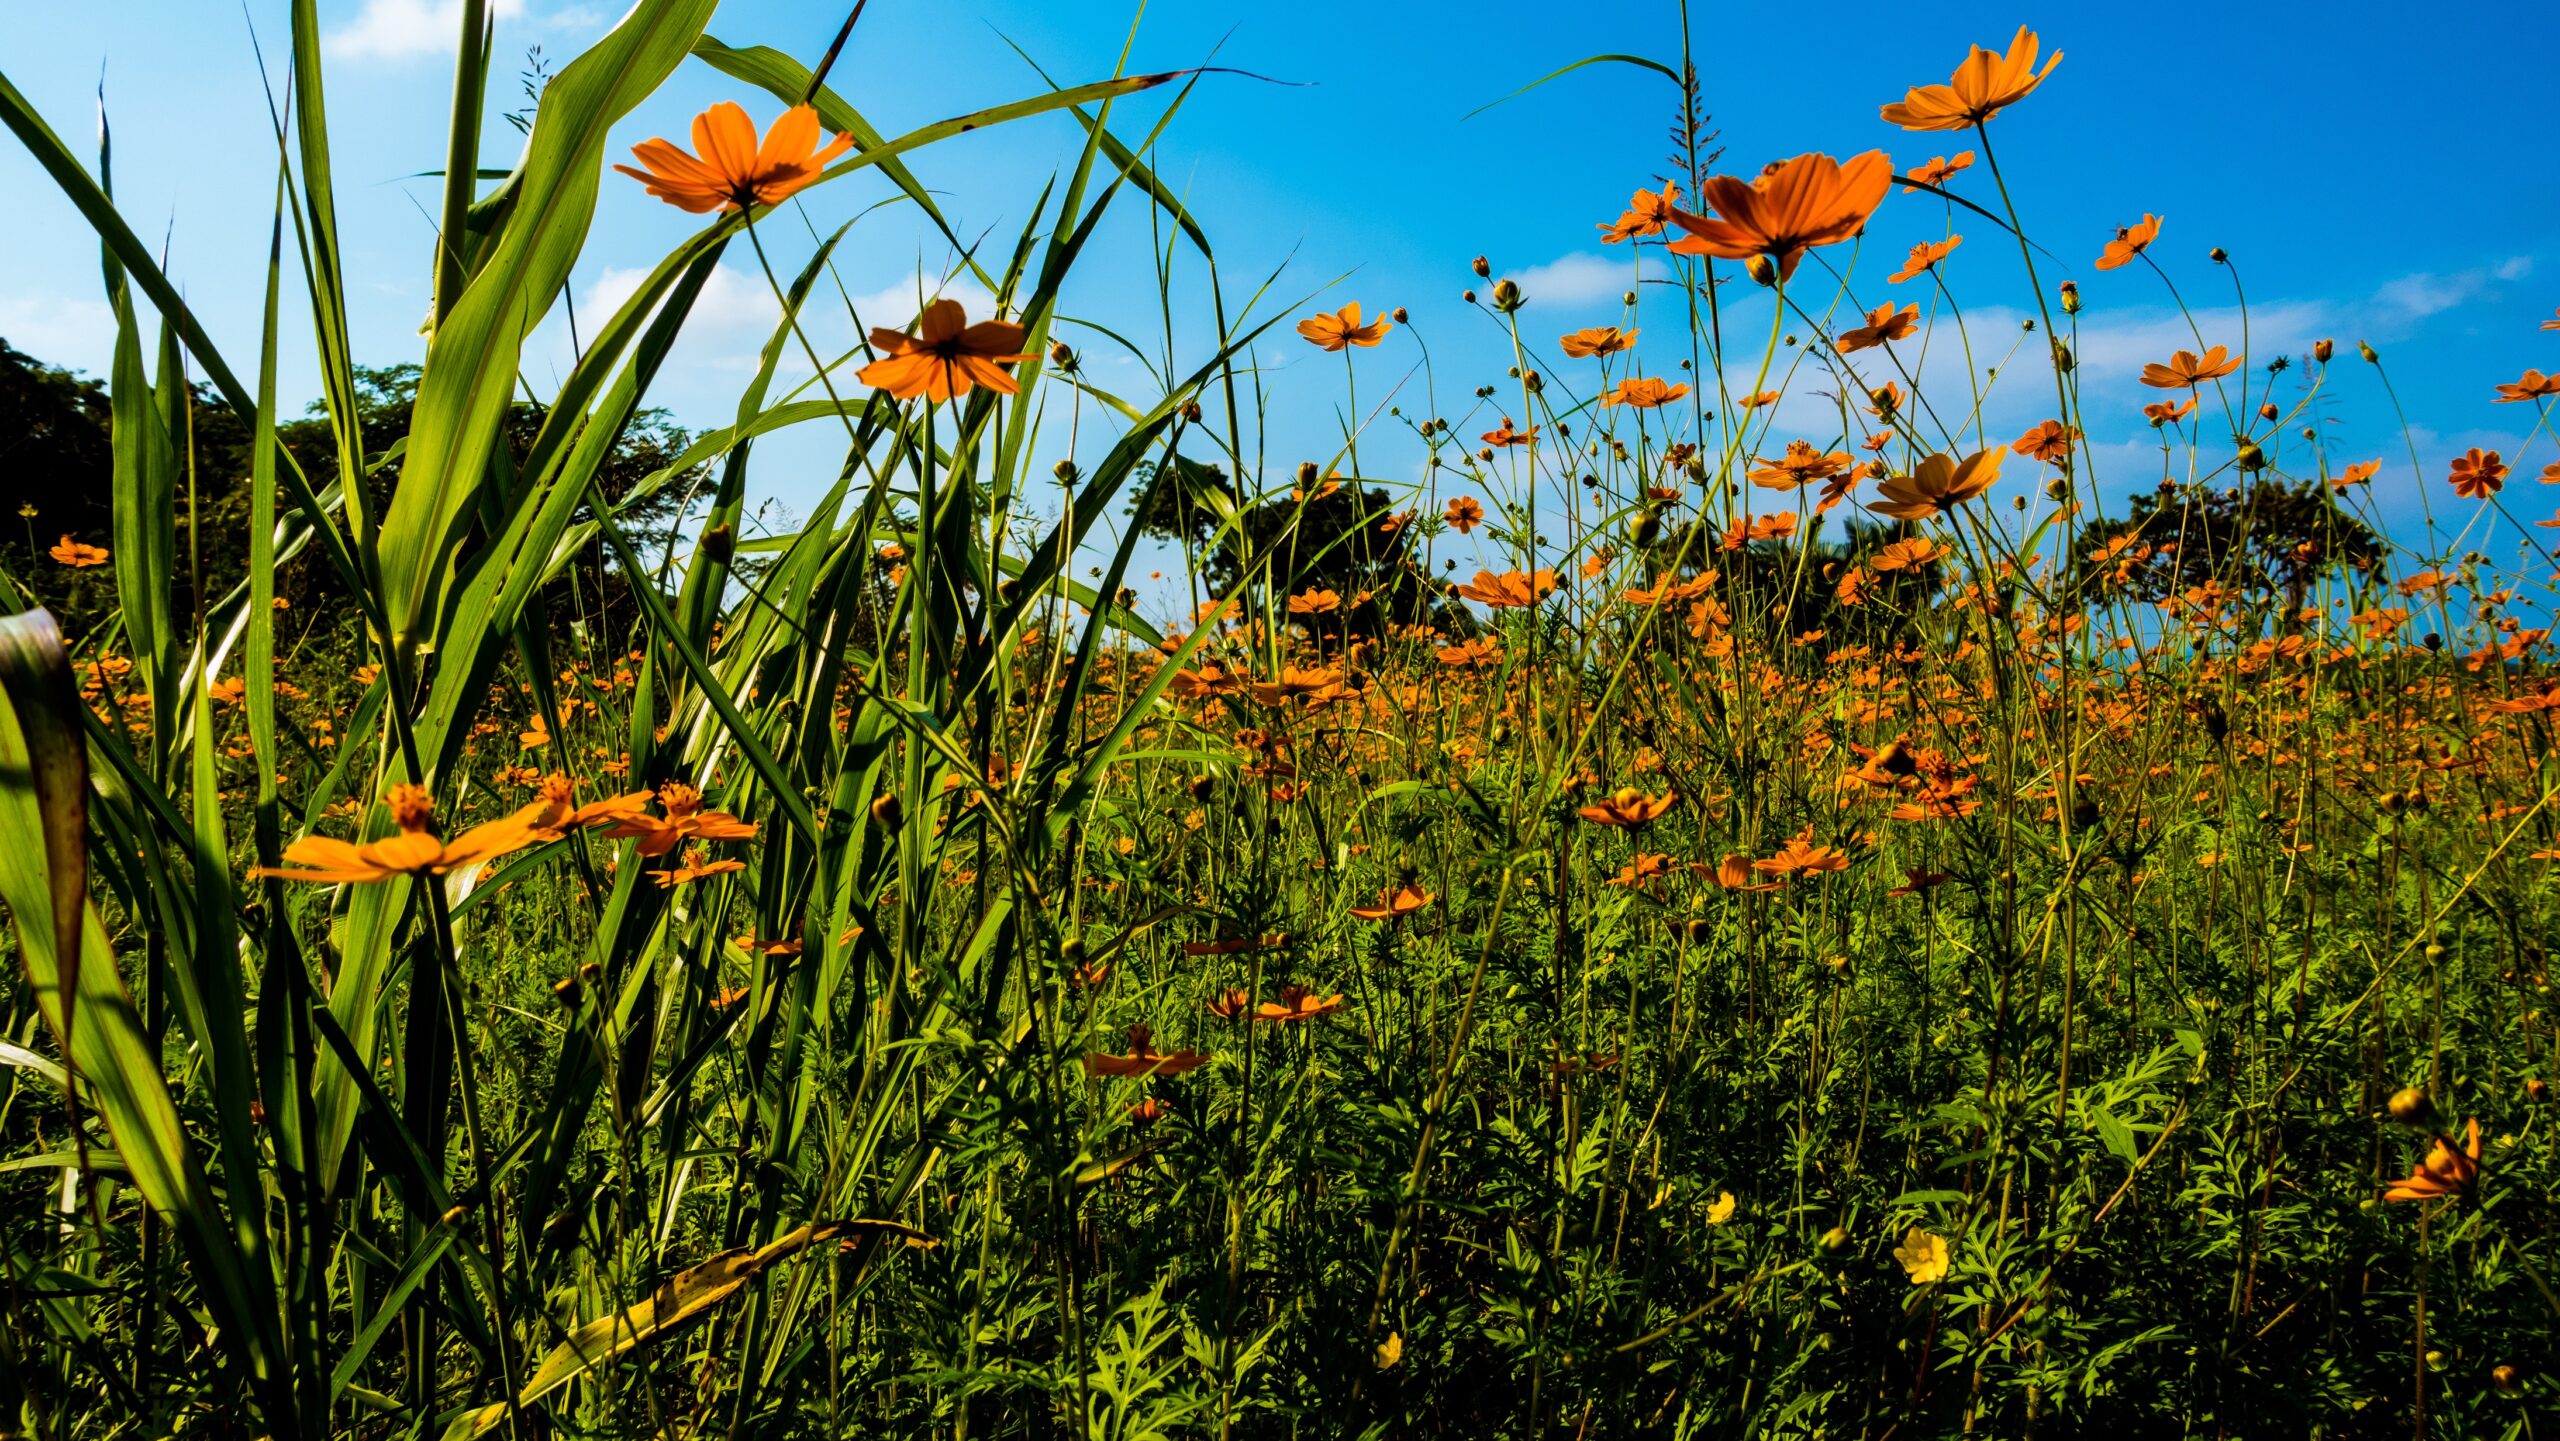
x=1577, y=279
x=2514, y=267
x=58, y=330
x=895, y=305
x=405, y=29
x=731, y=300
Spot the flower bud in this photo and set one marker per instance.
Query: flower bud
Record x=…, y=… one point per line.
x=566, y=990
x=2365, y=348
x=1306, y=472
x=1399, y=315
x=1467, y=297
x=720, y=542
x=2411, y=1106
x=1191, y=412
x=1203, y=786
x=1507, y=296
x=889, y=811
x=1062, y=357
x=2218, y=255
x=2321, y=350
x=1628, y=299
x=2506, y=1379
x=2070, y=297
x=2062, y=360
x=1483, y=268
x=2537, y=1090
x=1761, y=269
x=1065, y=471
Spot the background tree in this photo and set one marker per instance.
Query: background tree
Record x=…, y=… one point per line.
x=2264, y=544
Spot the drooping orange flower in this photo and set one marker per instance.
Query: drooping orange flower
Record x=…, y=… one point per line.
x=1920, y=882
x=2163, y=412
x=1646, y=867
x=2186, y=370
x=2050, y=442
x=1647, y=212
x=2446, y=1171
x=946, y=357
x=1507, y=436
x=684, y=820
x=1513, y=590
x=1800, y=466
x=1884, y=400
x=1884, y=324
x=76, y=555
x=1924, y=257
x=1807, y=201
x=1470, y=654
x=1598, y=340
x=732, y=170
x=1734, y=873
x=1463, y=514
x=1296, y=1003
x=1984, y=85
x=1143, y=1058
x=2534, y=386
x=1343, y=329
x=2130, y=241
x=414, y=851
x=1938, y=170
x=1938, y=483
x=1645, y=392
x=1395, y=903
x=2553, y=323
x=2360, y=473
x=1627, y=806
x=2478, y=474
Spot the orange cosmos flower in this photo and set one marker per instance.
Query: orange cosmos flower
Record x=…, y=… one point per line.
x=732, y=170
x=1647, y=212
x=1343, y=329
x=2130, y=241
x=1297, y=684
x=1598, y=340
x=1395, y=904
x=1800, y=856
x=553, y=816
x=1627, y=806
x=1647, y=866
x=1463, y=514
x=1511, y=590
x=1938, y=169
x=2186, y=371
x=1808, y=201
x=1733, y=873
x=1314, y=602
x=685, y=820
x=1507, y=436
x=1984, y=85
x=78, y=556
x=1757, y=399
x=2553, y=323
x=1938, y=483
x=1905, y=554
x=1470, y=654
x=2049, y=442
x=1885, y=399
x=1143, y=1058
x=697, y=866
x=1297, y=1003
x=2534, y=386
x=2478, y=474
x=946, y=356
x=1644, y=392
x=1923, y=258
x=2446, y=1171
x=414, y=851
x=2360, y=473
x=2162, y=412
x=1801, y=465
x=1884, y=323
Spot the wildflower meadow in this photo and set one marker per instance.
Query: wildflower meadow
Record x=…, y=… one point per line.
x=1681, y=877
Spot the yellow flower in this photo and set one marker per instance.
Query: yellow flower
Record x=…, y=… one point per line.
x=1722, y=1210
x=1923, y=1256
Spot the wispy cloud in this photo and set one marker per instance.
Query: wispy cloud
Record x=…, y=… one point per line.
x=405, y=29
x=2418, y=295
x=1577, y=279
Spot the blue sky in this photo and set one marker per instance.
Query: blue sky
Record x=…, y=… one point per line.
x=2369, y=177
